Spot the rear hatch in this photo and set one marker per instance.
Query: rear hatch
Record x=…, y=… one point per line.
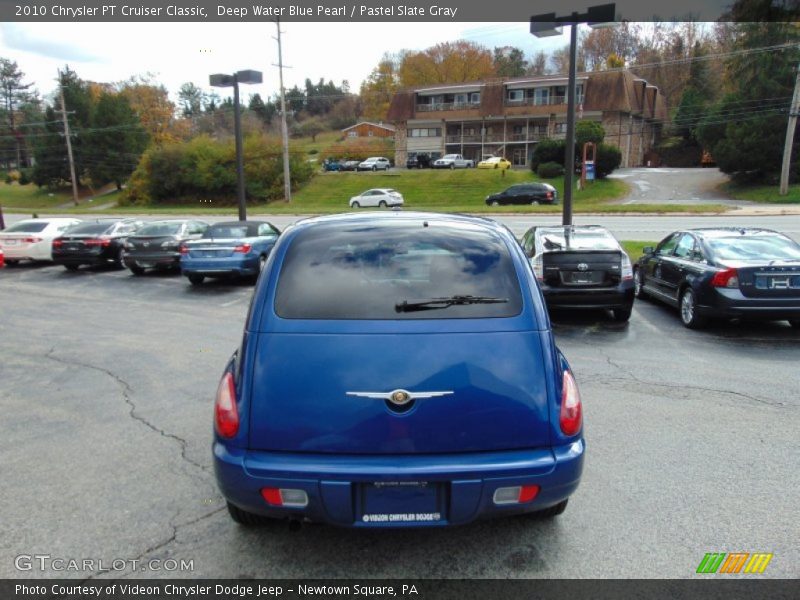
x=215, y=247
x=82, y=245
x=585, y=268
x=151, y=244
x=322, y=393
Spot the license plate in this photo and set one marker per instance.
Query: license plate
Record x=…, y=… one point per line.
x=9, y=242
x=401, y=502
x=576, y=278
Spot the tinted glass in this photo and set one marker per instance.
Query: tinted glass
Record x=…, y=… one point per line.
x=160, y=229
x=232, y=230
x=765, y=248
x=91, y=228
x=668, y=244
x=361, y=272
x=556, y=239
x=685, y=246
x=34, y=227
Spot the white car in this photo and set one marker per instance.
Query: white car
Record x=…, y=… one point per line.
x=32, y=239
x=377, y=197
x=374, y=163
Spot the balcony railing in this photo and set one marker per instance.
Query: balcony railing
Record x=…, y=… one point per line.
x=533, y=135
x=446, y=106
x=549, y=101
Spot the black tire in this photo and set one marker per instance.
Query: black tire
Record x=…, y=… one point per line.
x=795, y=323
x=494, y=203
x=452, y=165
x=687, y=307
x=553, y=511
x=356, y=205
x=72, y=268
x=382, y=204
x=119, y=261
x=534, y=202
x=195, y=279
x=262, y=261
x=136, y=269
x=638, y=284
x=496, y=165
x=248, y=519
x=374, y=168
x=622, y=315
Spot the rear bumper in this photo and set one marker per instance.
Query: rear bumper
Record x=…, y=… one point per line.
x=733, y=304
x=213, y=267
x=616, y=297
x=99, y=258
x=335, y=484
x=40, y=251
x=161, y=259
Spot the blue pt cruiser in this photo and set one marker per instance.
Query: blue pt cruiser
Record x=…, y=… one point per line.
x=397, y=370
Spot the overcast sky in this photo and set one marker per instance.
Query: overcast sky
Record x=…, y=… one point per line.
x=177, y=53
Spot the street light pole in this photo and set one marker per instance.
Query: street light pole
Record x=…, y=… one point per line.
x=569, y=160
x=224, y=80
x=237, y=133
x=548, y=25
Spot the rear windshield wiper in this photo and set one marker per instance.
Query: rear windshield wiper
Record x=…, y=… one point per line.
x=436, y=303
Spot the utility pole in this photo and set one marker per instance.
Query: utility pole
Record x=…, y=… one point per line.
x=63, y=112
x=287, y=178
x=790, y=128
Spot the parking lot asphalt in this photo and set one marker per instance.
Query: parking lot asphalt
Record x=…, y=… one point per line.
x=106, y=389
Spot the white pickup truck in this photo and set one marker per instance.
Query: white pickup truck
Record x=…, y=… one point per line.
x=453, y=161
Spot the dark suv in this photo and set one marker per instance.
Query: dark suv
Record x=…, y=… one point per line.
x=419, y=161
x=581, y=267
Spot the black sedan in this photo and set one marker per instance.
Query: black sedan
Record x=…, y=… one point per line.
x=525, y=193
x=581, y=267
x=724, y=273
x=158, y=244
x=97, y=242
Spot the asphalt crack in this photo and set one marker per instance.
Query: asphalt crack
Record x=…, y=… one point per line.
x=126, y=395
x=630, y=376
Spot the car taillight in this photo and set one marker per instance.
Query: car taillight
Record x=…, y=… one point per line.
x=285, y=497
x=729, y=278
x=31, y=240
x=627, y=267
x=226, y=415
x=517, y=494
x=184, y=249
x=549, y=195
x=58, y=243
x=243, y=248
x=104, y=242
x=570, y=417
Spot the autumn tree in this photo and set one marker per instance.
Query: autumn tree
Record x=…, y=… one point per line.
x=447, y=62
x=379, y=87
x=538, y=64
x=191, y=99
x=156, y=112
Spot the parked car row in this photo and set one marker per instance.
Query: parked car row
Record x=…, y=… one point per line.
x=373, y=163
x=197, y=249
x=715, y=273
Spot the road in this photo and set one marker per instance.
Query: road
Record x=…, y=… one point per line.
x=675, y=186
x=106, y=387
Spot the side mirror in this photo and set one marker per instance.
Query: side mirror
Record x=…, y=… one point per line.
x=648, y=250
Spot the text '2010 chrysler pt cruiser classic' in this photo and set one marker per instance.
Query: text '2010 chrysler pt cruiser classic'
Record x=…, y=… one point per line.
x=397, y=370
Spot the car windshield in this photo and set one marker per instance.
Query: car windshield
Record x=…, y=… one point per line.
x=27, y=227
x=559, y=239
x=364, y=272
x=91, y=228
x=763, y=248
x=160, y=229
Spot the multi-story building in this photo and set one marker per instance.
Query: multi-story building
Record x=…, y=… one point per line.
x=508, y=117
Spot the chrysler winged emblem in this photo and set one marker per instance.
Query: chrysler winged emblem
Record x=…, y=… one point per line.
x=399, y=397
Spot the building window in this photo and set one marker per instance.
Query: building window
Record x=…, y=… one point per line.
x=431, y=132
x=475, y=98
x=560, y=128
x=579, y=94
x=516, y=95
x=460, y=99
x=352, y=133
x=541, y=96
x=370, y=133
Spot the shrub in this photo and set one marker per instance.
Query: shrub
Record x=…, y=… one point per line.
x=12, y=176
x=608, y=158
x=547, y=151
x=549, y=170
x=205, y=169
x=313, y=151
x=24, y=176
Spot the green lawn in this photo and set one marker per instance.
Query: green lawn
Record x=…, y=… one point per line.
x=767, y=194
x=30, y=197
x=634, y=248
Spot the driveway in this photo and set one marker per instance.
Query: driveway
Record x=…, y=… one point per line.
x=675, y=186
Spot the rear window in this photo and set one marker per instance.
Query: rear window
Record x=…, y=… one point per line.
x=557, y=240
x=30, y=227
x=160, y=229
x=91, y=228
x=363, y=272
x=232, y=231
x=754, y=248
